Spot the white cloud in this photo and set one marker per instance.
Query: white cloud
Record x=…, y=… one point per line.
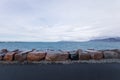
x=53, y=20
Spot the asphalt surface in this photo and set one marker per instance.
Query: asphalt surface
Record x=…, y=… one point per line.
x=60, y=71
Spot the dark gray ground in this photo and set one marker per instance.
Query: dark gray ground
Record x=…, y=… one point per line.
x=60, y=71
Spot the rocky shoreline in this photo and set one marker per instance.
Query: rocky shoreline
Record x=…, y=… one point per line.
x=59, y=56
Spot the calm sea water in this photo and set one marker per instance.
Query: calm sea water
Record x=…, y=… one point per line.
x=59, y=45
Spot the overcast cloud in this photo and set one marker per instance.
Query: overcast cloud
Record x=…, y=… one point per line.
x=56, y=20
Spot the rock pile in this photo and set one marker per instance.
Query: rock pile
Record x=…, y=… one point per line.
x=58, y=55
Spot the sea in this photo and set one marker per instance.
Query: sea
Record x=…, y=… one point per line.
x=59, y=45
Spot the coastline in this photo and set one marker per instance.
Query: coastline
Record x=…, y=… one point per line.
x=59, y=56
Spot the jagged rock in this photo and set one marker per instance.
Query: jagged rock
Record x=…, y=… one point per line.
x=21, y=56
x=2, y=53
x=9, y=56
x=36, y=55
x=97, y=55
x=110, y=54
x=84, y=56
x=4, y=50
x=57, y=56
x=117, y=51
x=73, y=55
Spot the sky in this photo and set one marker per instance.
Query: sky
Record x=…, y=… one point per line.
x=59, y=20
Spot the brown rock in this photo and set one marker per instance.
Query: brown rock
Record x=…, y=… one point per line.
x=57, y=56
x=36, y=55
x=84, y=56
x=110, y=54
x=21, y=56
x=9, y=56
x=97, y=55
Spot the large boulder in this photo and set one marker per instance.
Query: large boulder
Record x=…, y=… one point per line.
x=57, y=56
x=21, y=56
x=9, y=56
x=110, y=54
x=117, y=51
x=36, y=55
x=84, y=56
x=97, y=55
x=2, y=53
x=73, y=55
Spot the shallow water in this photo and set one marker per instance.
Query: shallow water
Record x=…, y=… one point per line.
x=59, y=45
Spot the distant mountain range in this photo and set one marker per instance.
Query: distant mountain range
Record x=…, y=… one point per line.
x=112, y=39
x=116, y=39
